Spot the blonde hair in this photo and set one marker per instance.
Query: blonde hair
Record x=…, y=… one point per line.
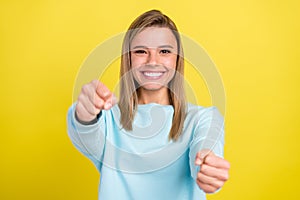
x=128, y=87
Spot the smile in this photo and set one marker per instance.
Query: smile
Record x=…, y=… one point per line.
x=152, y=75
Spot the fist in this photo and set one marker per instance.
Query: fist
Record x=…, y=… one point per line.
x=213, y=171
x=93, y=97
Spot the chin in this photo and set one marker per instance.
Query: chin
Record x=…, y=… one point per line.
x=152, y=87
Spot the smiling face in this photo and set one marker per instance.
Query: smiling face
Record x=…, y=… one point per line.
x=149, y=59
x=153, y=57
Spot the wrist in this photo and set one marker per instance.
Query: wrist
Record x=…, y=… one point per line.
x=86, y=123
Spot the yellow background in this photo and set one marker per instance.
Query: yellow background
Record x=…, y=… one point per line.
x=255, y=45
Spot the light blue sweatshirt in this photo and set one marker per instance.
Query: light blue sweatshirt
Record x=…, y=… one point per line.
x=143, y=164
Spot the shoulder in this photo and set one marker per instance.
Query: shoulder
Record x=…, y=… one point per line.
x=198, y=110
x=200, y=115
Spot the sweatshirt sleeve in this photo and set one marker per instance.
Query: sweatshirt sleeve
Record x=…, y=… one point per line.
x=88, y=139
x=208, y=134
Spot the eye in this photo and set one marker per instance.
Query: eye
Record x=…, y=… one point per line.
x=165, y=51
x=140, y=51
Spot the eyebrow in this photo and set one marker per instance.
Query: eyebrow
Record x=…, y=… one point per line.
x=144, y=47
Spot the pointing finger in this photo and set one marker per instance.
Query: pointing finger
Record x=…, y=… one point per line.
x=216, y=161
x=103, y=91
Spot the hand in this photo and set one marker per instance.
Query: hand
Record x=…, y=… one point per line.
x=93, y=97
x=213, y=171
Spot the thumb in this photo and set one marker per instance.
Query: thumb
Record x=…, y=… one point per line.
x=110, y=102
x=201, y=155
x=114, y=99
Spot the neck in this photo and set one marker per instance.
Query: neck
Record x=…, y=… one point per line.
x=160, y=96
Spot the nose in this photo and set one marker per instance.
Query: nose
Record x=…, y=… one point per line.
x=152, y=57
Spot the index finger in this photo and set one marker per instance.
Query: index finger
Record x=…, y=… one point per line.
x=216, y=161
x=102, y=91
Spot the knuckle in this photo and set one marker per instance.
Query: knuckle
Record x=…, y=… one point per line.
x=219, y=184
x=211, y=190
x=199, y=184
x=199, y=175
x=228, y=165
x=94, y=111
x=105, y=93
x=209, y=159
x=78, y=107
x=79, y=110
x=94, y=82
x=99, y=103
x=97, y=111
x=84, y=89
x=226, y=176
x=204, y=168
x=80, y=98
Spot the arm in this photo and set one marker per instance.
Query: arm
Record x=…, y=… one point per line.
x=86, y=120
x=208, y=167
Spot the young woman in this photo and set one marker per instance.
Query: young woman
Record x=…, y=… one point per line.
x=152, y=144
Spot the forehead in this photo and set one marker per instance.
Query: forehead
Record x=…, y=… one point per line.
x=154, y=37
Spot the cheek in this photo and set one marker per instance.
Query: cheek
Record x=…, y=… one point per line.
x=137, y=61
x=170, y=62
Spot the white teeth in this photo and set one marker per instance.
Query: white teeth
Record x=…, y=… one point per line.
x=153, y=74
